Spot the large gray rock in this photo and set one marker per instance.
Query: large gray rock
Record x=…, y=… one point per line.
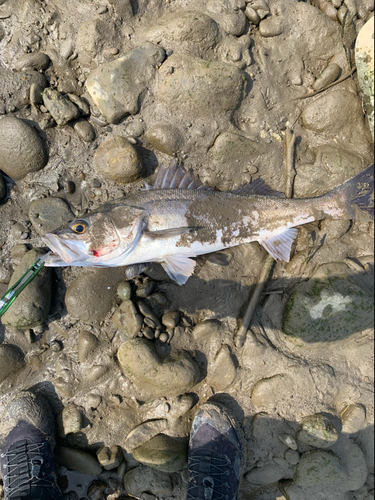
x=189, y=32
x=21, y=148
x=318, y=431
x=333, y=304
x=48, y=214
x=116, y=87
x=319, y=468
x=155, y=377
x=199, y=88
x=32, y=306
x=91, y=296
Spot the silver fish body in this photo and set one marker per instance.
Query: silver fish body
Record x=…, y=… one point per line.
x=170, y=224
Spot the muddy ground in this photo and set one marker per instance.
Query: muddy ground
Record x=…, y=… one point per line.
x=94, y=96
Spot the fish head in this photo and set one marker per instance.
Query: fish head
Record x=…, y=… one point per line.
x=96, y=239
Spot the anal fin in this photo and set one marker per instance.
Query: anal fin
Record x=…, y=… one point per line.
x=279, y=243
x=178, y=267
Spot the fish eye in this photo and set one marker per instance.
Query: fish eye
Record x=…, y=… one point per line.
x=79, y=226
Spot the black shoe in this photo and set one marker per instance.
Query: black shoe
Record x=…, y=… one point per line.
x=26, y=459
x=215, y=455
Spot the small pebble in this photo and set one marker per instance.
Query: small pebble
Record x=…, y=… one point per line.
x=170, y=319
x=85, y=130
x=337, y=3
x=328, y=76
x=352, y=7
x=252, y=15
x=69, y=187
x=292, y=457
x=164, y=337
x=149, y=322
x=148, y=313
x=56, y=345
x=288, y=440
x=149, y=333
x=271, y=26
x=328, y=9
x=341, y=13
x=124, y=290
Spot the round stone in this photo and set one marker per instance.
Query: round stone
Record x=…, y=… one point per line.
x=163, y=453
x=165, y=138
x=124, y=290
x=292, y=457
x=48, y=214
x=118, y=161
x=170, y=319
x=85, y=130
x=11, y=360
x=37, y=61
x=318, y=431
x=21, y=148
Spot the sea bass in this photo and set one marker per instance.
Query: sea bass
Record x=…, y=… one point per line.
x=180, y=218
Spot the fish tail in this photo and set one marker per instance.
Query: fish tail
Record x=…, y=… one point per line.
x=356, y=196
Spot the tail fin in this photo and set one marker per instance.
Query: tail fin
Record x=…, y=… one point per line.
x=357, y=195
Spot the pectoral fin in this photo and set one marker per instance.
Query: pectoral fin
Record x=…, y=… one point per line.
x=169, y=233
x=279, y=244
x=178, y=267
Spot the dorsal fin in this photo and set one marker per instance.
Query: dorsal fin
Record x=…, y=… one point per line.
x=175, y=177
x=258, y=187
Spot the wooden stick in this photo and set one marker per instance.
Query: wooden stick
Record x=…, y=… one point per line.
x=290, y=140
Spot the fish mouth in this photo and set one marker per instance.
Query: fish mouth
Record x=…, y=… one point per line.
x=60, y=250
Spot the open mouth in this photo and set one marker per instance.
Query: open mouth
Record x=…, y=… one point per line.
x=59, y=249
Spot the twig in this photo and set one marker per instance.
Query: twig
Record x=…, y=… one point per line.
x=290, y=139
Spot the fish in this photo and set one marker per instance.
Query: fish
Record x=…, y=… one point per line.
x=180, y=218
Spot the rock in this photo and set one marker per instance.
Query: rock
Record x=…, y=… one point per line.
x=288, y=440
x=165, y=138
x=174, y=375
x=353, y=418
x=271, y=26
x=48, y=214
x=234, y=23
x=22, y=81
x=127, y=320
x=321, y=177
x=292, y=457
x=199, y=88
x=221, y=370
x=123, y=8
x=11, y=360
x=252, y=15
x=92, y=36
x=95, y=372
x=353, y=461
x=85, y=130
x=143, y=478
x=71, y=420
x=148, y=313
x=318, y=431
x=77, y=460
x=328, y=9
x=60, y=106
x=110, y=458
x=81, y=103
x=163, y=453
x=186, y=32
x=170, y=319
x=338, y=114
x=270, y=473
x=118, y=161
x=116, y=87
x=32, y=306
x=82, y=300
x=21, y=149
x=95, y=491
x=319, y=468
x=87, y=343
x=124, y=290
x=364, y=57
x=329, y=75
x=135, y=128
x=144, y=432
x=335, y=303
x=37, y=61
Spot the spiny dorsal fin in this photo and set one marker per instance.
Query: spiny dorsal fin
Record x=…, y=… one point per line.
x=279, y=243
x=258, y=187
x=175, y=177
